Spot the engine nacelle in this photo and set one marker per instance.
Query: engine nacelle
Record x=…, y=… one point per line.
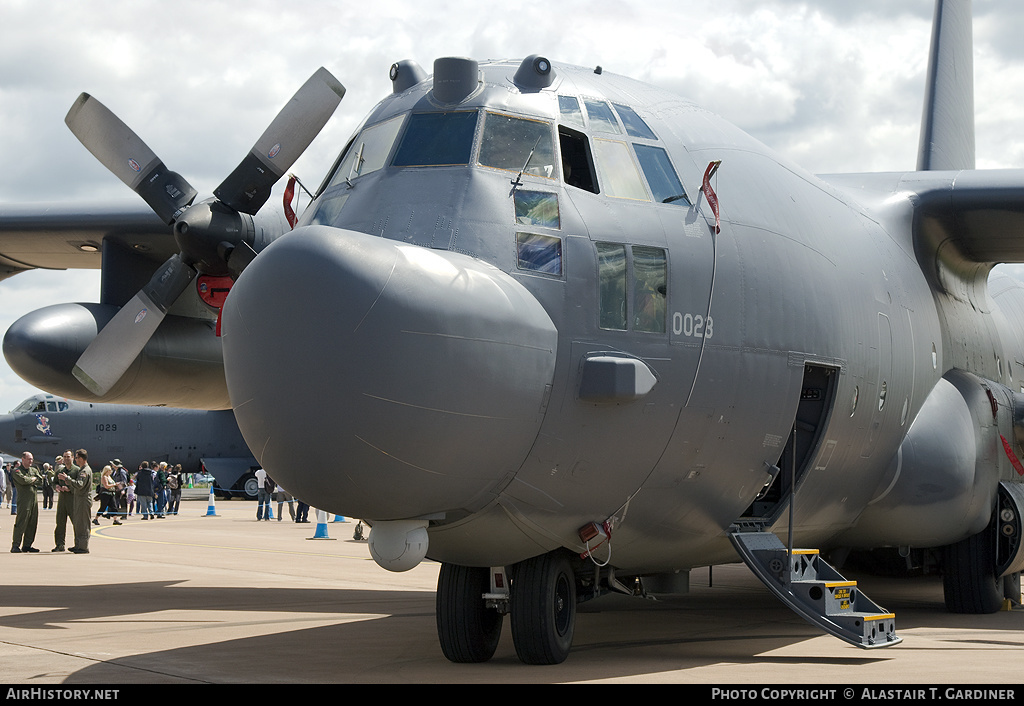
x=181, y=366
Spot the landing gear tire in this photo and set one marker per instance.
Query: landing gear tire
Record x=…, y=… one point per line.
x=543, y=608
x=969, y=581
x=467, y=629
x=249, y=486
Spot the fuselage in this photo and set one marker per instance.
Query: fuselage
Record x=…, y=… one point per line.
x=528, y=321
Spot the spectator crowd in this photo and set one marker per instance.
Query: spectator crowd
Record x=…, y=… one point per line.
x=152, y=491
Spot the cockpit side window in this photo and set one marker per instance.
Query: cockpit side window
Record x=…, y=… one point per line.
x=661, y=177
x=635, y=125
x=648, y=293
x=539, y=253
x=369, y=151
x=518, y=145
x=650, y=288
x=437, y=139
x=618, y=171
x=611, y=268
x=569, y=111
x=577, y=162
x=602, y=119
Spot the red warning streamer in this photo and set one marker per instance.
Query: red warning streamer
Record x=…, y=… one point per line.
x=289, y=194
x=1012, y=456
x=710, y=192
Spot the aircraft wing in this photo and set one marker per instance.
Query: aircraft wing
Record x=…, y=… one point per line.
x=967, y=215
x=71, y=236
x=982, y=212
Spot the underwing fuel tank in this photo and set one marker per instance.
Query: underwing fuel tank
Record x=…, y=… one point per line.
x=440, y=368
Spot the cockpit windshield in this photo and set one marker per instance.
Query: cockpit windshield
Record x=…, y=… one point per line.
x=518, y=145
x=369, y=151
x=34, y=404
x=437, y=139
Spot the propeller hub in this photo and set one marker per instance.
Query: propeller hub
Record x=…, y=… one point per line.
x=204, y=229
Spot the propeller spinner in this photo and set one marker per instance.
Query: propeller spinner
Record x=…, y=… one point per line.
x=213, y=236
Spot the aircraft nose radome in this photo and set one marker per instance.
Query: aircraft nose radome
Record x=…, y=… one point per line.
x=383, y=380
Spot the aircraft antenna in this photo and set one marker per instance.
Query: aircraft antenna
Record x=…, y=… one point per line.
x=518, y=180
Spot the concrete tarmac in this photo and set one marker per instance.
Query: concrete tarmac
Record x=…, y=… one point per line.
x=194, y=599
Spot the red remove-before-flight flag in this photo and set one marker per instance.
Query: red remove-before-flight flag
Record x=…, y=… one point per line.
x=710, y=192
x=289, y=194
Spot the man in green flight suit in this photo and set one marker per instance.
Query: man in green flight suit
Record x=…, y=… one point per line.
x=81, y=511
x=27, y=478
x=65, y=499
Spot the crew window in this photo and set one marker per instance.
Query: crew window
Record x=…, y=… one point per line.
x=518, y=145
x=618, y=170
x=577, y=165
x=661, y=177
x=26, y=406
x=635, y=125
x=650, y=274
x=369, y=151
x=437, y=139
x=536, y=208
x=569, y=110
x=329, y=208
x=539, y=253
x=602, y=119
x=611, y=268
x=648, y=293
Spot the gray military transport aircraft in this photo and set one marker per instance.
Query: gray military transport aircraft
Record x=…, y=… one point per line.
x=197, y=439
x=581, y=336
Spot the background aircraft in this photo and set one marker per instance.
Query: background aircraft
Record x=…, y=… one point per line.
x=538, y=337
x=46, y=425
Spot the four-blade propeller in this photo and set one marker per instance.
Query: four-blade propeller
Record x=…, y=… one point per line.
x=213, y=236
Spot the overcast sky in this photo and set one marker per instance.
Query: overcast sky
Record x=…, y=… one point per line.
x=836, y=85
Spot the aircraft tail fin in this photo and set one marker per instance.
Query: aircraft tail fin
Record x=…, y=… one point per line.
x=947, y=127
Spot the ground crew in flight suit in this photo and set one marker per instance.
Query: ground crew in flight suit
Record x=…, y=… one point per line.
x=81, y=511
x=65, y=499
x=28, y=479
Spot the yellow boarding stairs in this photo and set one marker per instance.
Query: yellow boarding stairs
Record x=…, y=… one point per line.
x=816, y=591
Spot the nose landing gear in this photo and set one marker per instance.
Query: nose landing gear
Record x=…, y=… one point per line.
x=542, y=604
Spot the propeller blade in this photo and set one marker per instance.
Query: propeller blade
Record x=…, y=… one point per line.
x=117, y=346
x=121, y=151
x=248, y=187
x=238, y=258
